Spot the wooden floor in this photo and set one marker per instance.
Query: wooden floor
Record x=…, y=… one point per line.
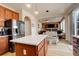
x=62, y=48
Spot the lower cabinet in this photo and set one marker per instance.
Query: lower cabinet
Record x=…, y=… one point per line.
x=46, y=46
x=41, y=48
x=41, y=52
x=31, y=50
x=3, y=44
x=25, y=50
x=75, y=46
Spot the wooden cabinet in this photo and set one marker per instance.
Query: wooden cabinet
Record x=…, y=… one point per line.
x=8, y=14
x=31, y=50
x=15, y=16
x=44, y=25
x=11, y=15
x=25, y=50
x=41, y=49
x=1, y=23
x=40, y=45
x=46, y=46
x=75, y=46
x=2, y=13
x=41, y=52
x=50, y=25
x=3, y=44
x=2, y=16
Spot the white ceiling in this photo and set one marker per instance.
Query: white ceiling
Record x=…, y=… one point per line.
x=51, y=19
x=55, y=9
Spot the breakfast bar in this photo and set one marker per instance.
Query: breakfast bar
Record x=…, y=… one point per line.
x=33, y=45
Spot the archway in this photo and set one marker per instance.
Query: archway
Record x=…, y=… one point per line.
x=27, y=26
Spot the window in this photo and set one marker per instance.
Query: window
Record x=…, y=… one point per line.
x=63, y=25
x=75, y=21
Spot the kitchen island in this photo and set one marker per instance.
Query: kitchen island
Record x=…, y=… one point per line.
x=34, y=45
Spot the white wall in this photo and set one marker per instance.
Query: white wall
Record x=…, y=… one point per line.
x=68, y=28
x=62, y=25
x=34, y=22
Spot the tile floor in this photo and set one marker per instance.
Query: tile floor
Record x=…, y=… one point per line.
x=60, y=49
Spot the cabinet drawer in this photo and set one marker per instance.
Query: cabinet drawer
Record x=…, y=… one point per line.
x=40, y=45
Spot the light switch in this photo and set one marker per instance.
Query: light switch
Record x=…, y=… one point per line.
x=24, y=51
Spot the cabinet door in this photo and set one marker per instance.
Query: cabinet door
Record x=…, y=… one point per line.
x=3, y=44
x=41, y=52
x=2, y=16
x=41, y=49
x=2, y=13
x=8, y=14
x=25, y=50
x=46, y=46
x=15, y=16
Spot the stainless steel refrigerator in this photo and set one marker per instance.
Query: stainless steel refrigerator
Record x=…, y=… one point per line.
x=21, y=28
x=12, y=32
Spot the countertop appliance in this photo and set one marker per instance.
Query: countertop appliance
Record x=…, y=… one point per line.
x=12, y=31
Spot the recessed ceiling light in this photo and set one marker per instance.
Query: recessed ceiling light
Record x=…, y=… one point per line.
x=36, y=12
x=28, y=5
x=47, y=10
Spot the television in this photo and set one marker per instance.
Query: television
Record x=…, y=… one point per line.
x=51, y=25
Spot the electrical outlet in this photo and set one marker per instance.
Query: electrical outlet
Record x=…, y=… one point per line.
x=24, y=51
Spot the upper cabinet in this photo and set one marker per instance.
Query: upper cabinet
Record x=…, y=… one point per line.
x=11, y=14
x=8, y=14
x=2, y=16
x=2, y=13
x=15, y=16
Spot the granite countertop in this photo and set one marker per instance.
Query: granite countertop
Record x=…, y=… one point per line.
x=30, y=40
x=4, y=36
x=76, y=36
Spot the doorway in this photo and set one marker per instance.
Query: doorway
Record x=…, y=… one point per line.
x=27, y=26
